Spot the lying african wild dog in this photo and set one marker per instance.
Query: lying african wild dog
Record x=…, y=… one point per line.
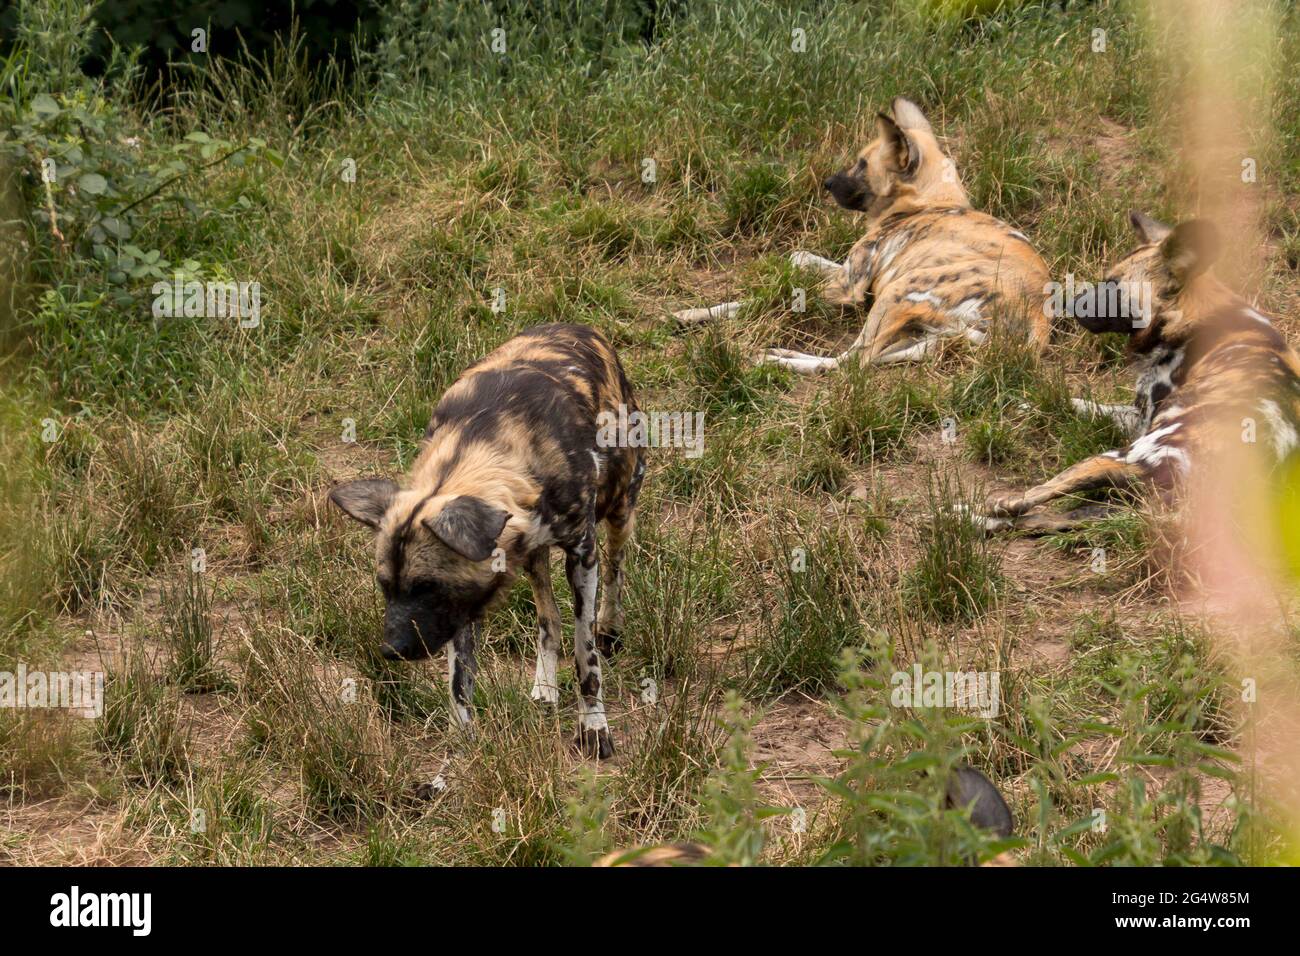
x=967, y=789
x=509, y=467
x=929, y=267
x=1207, y=362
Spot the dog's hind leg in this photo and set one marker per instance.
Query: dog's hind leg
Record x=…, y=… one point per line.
x=618, y=529
x=913, y=352
x=546, y=686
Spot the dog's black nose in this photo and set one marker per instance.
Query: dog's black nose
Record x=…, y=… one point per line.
x=827, y=183
x=390, y=653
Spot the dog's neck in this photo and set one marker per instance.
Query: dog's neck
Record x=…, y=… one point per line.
x=1193, y=313
x=903, y=205
x=935, y=192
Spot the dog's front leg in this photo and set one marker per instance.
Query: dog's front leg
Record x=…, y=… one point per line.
x=582, y=567
x=1126, y=417
x=1111, y=469
x=460, y=677
x=832, y=271
x=546, y=687
x=810, y=260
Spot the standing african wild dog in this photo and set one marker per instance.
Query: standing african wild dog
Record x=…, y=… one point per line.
x=929, y=267
x=509, y=467
x=1207, y=360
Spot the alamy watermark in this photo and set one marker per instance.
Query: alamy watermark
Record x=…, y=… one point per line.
x=133, y=911
x=975, y=691
x=208, y=300
x=637, y=429
x=81, y=691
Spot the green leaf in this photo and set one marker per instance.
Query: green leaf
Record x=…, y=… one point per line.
x=93, y=183
x=115, y=227
x=45, y=105
x=1095, y=778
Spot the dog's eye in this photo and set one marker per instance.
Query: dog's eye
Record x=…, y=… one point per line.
x=420, y=589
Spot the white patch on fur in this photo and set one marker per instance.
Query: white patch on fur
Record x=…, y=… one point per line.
x=1149, y=451
x=1284, y=434
x=1159, y=370
x=968, y=311
x=595, y=457
x=546, y=685
x=1257, y=316
x=887, y=252
x=923, y=297
x=537, y=534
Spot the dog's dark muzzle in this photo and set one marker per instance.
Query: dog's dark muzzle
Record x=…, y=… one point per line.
x=410, y=633
x=848, y=191
x=1104, y=307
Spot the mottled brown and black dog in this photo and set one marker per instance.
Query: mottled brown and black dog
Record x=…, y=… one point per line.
x=510, y=466
x=1215, y=378
x=929, y=266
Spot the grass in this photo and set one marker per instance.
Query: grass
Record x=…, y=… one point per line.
x=253, y=691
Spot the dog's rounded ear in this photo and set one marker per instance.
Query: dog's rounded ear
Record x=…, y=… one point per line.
x=1148, y=229
x=364, y=500
x=909, y=116
x=469, y=526
x=1190, y=249
x=969, y=789
x=903, y=154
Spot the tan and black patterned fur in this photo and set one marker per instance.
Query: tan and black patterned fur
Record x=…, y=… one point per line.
x=929, y=267
x=509, y=467
x=1215, y=378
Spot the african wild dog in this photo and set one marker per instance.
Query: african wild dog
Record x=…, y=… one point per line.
x=929, y=267
x=1208, y=362
x=967, y=789
x=509, y=467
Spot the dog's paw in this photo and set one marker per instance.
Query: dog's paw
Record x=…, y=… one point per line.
x=546, y=695
x=594, y=743
x=429, y=790
x=1002, y=506
x=985, y=522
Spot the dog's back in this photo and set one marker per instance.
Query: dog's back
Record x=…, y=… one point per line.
x=537, y=398
x=934, y=265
